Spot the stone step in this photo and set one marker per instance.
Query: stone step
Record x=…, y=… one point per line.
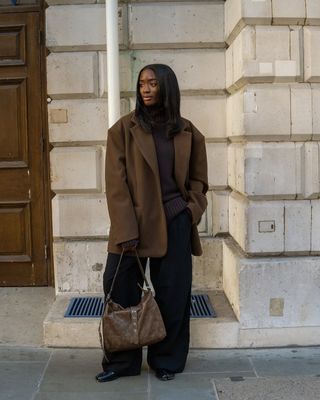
x=220, y=332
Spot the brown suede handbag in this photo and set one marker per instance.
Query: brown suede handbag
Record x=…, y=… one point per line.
x=132, y=327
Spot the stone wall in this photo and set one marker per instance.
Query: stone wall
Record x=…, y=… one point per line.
x=273, y=78
x=187, y=35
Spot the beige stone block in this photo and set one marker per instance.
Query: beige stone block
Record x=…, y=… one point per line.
x=311, y=54
x=258, y=227
x=80, y=216
x=231, y=276
x=271, y=170
x=284, y=13
x=297, y=226
x=79, y=266
x=311, y=176
x=271, y=337
x=217, y=164
x=72, y=75
x=80, y=26
x=260, y=112
x=196, y=69
x=176, y=23
x=257, y=281
x=264, y=54
x=205, y=225
x=125, y=73
x=301, y=111
x=315, y=225
x=220, y=211
x=315, y=111
x=207, y=269
x=265, y=231
x=244, y=49
x=272, y=43
x=207, y=113
x=238, y=218
x=229, y=67
x=86, y=120
x=296, y=50
x=236, y=167
x=313, y=12
x=241, y=12
x=266, y=111
x=75, y=169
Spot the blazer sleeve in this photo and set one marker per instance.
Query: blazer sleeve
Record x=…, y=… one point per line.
x=198, y=176
x=124, y=224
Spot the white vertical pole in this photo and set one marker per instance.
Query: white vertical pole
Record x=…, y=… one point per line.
x=113, y=61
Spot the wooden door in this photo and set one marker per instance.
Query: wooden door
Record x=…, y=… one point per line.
x=22, y=160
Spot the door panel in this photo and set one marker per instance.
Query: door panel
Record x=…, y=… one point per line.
x=22, y=200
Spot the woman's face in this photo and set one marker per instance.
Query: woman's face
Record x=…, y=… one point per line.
x=149, y=87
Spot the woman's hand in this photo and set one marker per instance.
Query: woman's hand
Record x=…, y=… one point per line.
x=130, y=245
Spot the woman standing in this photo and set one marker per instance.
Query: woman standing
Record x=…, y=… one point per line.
x=156, y=181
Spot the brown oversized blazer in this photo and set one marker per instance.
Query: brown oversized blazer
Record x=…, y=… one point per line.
x=133, y=185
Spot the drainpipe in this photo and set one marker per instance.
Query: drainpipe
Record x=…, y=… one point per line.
x=113, y=61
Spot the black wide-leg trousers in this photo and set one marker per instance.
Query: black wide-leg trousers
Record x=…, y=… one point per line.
x=171, y=277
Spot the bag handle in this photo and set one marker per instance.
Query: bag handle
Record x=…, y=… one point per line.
x=100, y=330
x=117, y=270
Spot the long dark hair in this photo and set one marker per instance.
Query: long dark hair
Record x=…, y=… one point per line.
x=169, y=99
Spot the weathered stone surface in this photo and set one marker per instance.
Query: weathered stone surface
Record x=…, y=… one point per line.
x=80, y=27
x=241, y=12
x=258, y=227
x=80, y=265
x=207, y=113
x=80, y=216
x=301, y=111
x=207, y=269
x=297, y=232
x=265, y=169
x=176, y=23
x=315, y=226
x=86, y=120
x=315, y=111
x=311, y=53
x=220, y=211
x=311, y=178
x=285, y=14
x=217, y=164
x=260, y=112
x=76, y=169
x=251, y=283
x=264, y=54
x=313, y=12
x=125, y=73
x=195, y=68
x=72, y=75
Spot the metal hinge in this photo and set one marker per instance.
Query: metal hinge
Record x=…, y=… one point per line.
x=45, y=252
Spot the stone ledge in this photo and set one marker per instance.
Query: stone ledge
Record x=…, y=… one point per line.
x=220, y=332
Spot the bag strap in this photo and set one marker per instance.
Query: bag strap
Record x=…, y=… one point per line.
x=117, y=270
x=100, y=330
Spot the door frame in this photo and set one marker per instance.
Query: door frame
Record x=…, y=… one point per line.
x=48, y=194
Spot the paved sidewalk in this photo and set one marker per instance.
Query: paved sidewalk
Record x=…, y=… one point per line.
x=250, y=374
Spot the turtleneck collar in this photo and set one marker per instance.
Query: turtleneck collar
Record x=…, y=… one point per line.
x=157, y=114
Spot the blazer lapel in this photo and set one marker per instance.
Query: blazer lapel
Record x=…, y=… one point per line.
x=182, y=151
x=145, y=143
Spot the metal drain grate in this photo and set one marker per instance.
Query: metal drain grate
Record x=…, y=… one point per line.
x=85, y=307
x=91, y=307
x=201, y=306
